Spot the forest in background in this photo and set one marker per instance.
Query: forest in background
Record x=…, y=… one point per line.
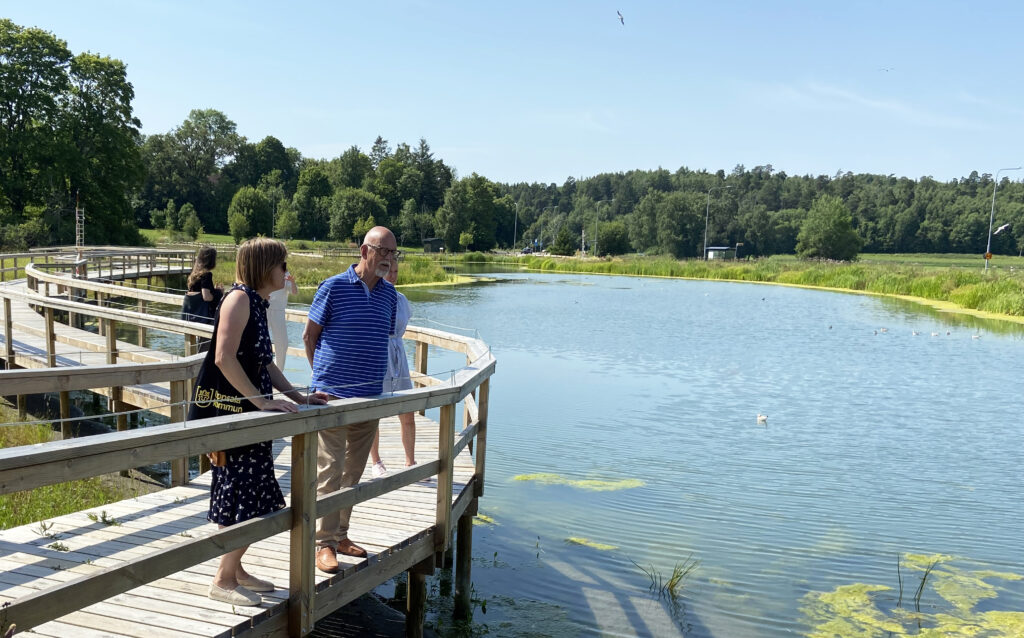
x=68, y=132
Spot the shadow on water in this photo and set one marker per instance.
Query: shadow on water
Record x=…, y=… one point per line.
x=520, y=589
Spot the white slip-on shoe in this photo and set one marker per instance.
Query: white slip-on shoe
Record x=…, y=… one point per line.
x=256, y=584
x=239, y=596
x=379, y=469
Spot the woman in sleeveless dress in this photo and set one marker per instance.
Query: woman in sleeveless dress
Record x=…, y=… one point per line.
x=241, y=364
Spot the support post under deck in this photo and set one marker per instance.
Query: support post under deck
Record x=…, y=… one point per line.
x=463, y=564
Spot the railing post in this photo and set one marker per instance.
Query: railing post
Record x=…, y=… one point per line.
x=179, y=467
x=467, y=418
x=9, y=351
x=100, y=303
x=8, y=334
x=116, y=392
x=9, y=347
x=421, y=362
x=301, y=577
x=142, y=329
x=445, y=442
x=481, y=435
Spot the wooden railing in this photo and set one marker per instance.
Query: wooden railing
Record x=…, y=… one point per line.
x=29, y=467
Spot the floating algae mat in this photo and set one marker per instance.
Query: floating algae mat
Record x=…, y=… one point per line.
x=593, y=485
x=484, y=519
x=863, y=610
x=586, y=542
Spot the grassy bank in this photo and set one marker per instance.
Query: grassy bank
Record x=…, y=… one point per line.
x=43, y=503
x=956, y=280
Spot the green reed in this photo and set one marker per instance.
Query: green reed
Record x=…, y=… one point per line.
x=21, y=508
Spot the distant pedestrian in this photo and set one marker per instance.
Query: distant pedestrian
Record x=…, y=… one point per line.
x=202, y=298
x=278, y=320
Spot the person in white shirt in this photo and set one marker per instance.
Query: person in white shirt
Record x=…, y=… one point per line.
x=398, y=379
x=277, y=321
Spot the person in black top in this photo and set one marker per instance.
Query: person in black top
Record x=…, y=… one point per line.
x=202, y=298
x=239, y=375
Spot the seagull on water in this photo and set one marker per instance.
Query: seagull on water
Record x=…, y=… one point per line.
x=762, y=418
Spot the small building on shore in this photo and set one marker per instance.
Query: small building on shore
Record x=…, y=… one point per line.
x=720, y=252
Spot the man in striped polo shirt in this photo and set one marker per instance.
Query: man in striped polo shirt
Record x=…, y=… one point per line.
x=346, y=339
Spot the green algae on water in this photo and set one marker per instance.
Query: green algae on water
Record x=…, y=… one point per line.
x=484, y=519
x=594, y=485
x=854, y=610
x=578, y=540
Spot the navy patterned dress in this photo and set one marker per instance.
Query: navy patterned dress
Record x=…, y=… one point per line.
x=246, y=487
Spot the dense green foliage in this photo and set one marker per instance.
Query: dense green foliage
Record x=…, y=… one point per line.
x=66, y=132
x=827, y=232
x=67, y=129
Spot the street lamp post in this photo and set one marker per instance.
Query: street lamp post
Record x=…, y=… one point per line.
x=707, y=212
x=992, y=215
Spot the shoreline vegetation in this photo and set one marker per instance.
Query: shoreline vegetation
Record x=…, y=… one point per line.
x=954, y=283
x=950, y=283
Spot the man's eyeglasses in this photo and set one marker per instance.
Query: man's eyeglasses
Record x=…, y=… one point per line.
x=385, y=252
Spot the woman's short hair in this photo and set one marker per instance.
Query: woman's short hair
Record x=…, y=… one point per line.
x=257, y=257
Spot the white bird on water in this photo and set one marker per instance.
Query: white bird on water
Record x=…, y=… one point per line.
x=762, y=418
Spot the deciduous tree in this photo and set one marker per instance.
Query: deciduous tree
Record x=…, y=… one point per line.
x=828, y=233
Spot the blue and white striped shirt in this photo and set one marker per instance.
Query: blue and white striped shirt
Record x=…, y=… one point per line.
x=351, y=357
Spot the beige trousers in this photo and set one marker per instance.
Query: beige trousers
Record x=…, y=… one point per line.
x=340, y=461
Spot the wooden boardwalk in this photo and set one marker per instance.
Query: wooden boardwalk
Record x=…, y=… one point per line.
x=177, y=606
x=78, y=347
x=142, y=566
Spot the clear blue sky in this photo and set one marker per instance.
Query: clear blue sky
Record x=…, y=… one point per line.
x=539, y=91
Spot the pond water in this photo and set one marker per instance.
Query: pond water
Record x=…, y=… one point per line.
x=880, y=447
x=630, y=407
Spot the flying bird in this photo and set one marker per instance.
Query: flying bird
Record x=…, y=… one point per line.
x=621, y=19
x=1001, y=229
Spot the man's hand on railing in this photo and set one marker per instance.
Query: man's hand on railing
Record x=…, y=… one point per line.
x=275, y=405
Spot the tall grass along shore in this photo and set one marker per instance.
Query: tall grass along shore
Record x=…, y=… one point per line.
x=963, y=283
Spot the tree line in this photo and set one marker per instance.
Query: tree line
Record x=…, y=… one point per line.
x=68, y=133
